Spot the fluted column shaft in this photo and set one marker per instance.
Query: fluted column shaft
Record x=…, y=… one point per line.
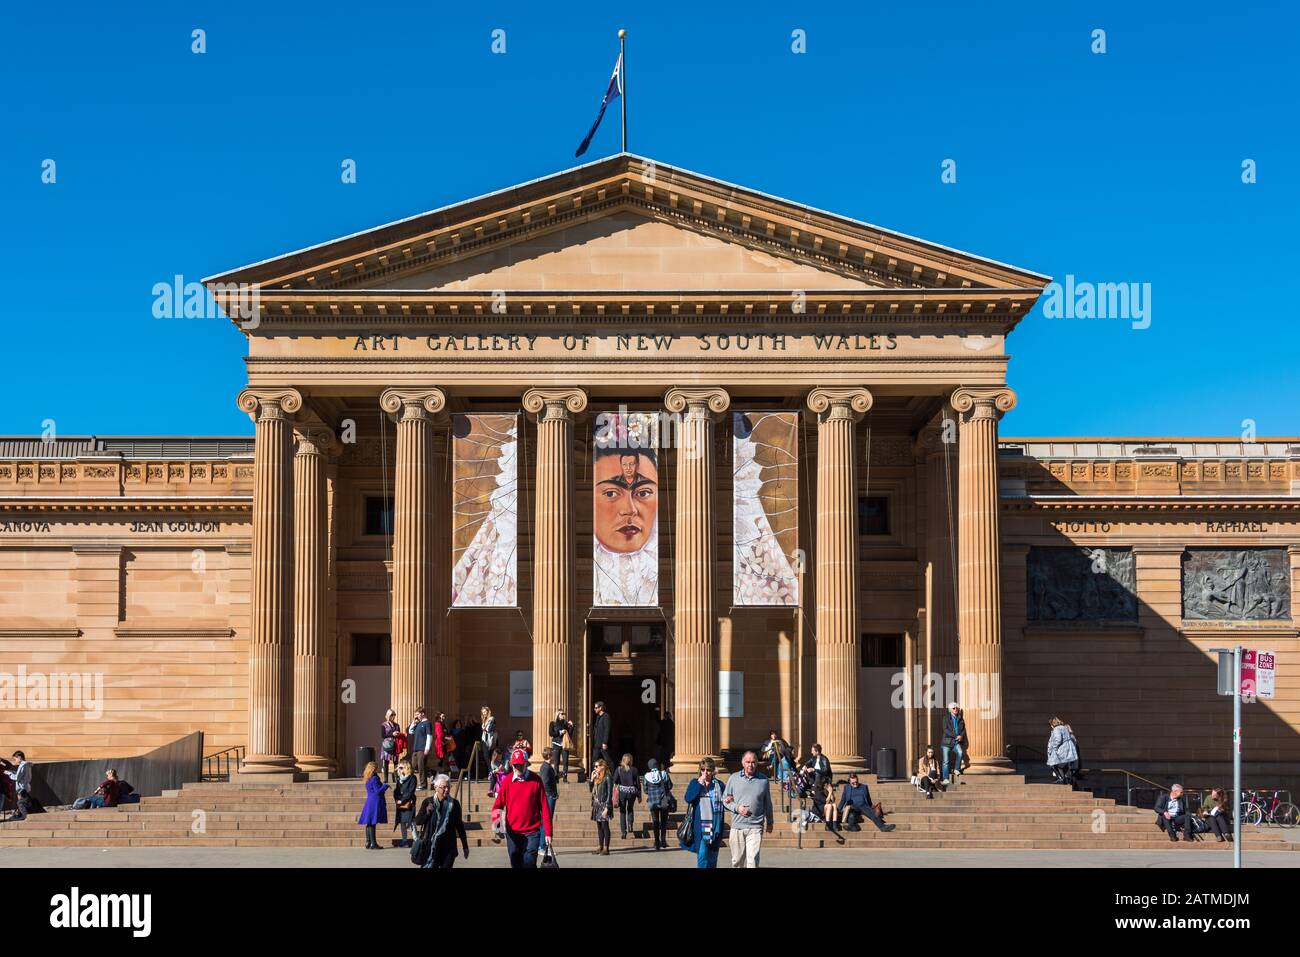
x=979, y=599
x=415, y=619
x=553, y=560
x=270, y=649
x=838, y=652
x=313, y=651
x=939, y=446
x=695, y=666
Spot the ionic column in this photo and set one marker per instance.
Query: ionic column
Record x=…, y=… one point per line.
x=270, y=646
x=979, y=595
x=313, y=644
x=838, y=657
x=416, y=619
x=938, y=446
x=553, y=560
x=695, y=666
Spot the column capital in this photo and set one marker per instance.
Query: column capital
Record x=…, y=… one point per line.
x=421, y=402
x=850, y=402
x=697, y=400
x=316, y=439
x=983, y=401
x=555, y=403
x=274, y=403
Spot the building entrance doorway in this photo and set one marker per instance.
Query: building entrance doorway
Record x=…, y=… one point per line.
x=626, y=667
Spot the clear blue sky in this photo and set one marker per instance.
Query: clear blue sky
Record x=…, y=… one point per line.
x=1122, y=167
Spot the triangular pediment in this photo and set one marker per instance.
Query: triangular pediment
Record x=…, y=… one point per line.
x=626, y=251
x=627, y=223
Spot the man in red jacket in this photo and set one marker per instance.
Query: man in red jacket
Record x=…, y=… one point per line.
x=522, y=800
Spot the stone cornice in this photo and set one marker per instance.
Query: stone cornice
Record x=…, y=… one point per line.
x=991, y=310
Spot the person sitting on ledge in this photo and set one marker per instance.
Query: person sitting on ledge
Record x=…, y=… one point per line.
x=106, y=795
x=855, y=804
x=1172, y=814
x=818, y=766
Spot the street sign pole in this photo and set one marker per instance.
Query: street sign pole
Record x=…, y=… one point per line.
x=1236, y=756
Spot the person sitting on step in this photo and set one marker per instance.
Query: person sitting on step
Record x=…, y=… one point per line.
x=1172, y=814
x=927, y=773
x=855, y=804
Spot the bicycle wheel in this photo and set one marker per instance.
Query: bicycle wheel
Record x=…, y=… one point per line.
x=1286, y=814
x=1251, y=813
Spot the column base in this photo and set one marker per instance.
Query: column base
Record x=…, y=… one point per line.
x=316, y=767
x=267, y=765
x=852, y=763
x=275, y=776
x=995, y=765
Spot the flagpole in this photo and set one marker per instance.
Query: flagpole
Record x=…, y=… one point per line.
x=622, y=59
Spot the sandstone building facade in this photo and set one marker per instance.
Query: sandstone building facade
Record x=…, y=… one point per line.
x=279, y=593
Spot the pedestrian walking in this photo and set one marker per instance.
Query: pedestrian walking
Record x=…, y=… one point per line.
x=627, y=791
x=659, y=801
x=561, y=732
x=441, y=824
x=521, y=804
x=602, y=790
x=704, y=811
x=749, y=800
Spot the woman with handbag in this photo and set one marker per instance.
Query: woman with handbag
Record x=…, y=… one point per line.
x=701, y=831
x=389, y=752
x=561, y=732
x=602, y=789
x=441, y=824
x=627, y=784
x=487, y=734
x=659, y=801
x=404, y=801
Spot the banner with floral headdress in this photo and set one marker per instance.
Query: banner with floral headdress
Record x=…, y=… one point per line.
x=765, y=508
x=484, y=513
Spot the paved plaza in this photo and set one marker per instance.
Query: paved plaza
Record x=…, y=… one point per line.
x=213, y=857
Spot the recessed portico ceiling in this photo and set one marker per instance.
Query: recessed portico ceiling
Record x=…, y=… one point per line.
x=627, y=223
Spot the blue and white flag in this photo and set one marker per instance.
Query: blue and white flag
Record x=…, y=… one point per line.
x=615, y=89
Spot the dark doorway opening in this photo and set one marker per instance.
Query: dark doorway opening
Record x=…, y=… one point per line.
x=633, y=705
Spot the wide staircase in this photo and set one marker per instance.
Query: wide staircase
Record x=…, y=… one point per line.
x=975, y=813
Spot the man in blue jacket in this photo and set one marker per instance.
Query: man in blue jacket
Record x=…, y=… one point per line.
x=954, y=739
x=856, y=798
x=420, y=740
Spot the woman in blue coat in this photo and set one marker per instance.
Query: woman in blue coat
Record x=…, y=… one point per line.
x=704, y=799
x=375, y=810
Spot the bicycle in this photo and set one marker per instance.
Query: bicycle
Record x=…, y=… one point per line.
x=1258, y=808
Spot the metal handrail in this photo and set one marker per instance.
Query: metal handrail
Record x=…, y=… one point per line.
x=227, y=758
x=474, y=756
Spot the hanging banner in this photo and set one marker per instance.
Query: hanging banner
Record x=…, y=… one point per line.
x=485, y=489
x=765, y=508
x=625, y=510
